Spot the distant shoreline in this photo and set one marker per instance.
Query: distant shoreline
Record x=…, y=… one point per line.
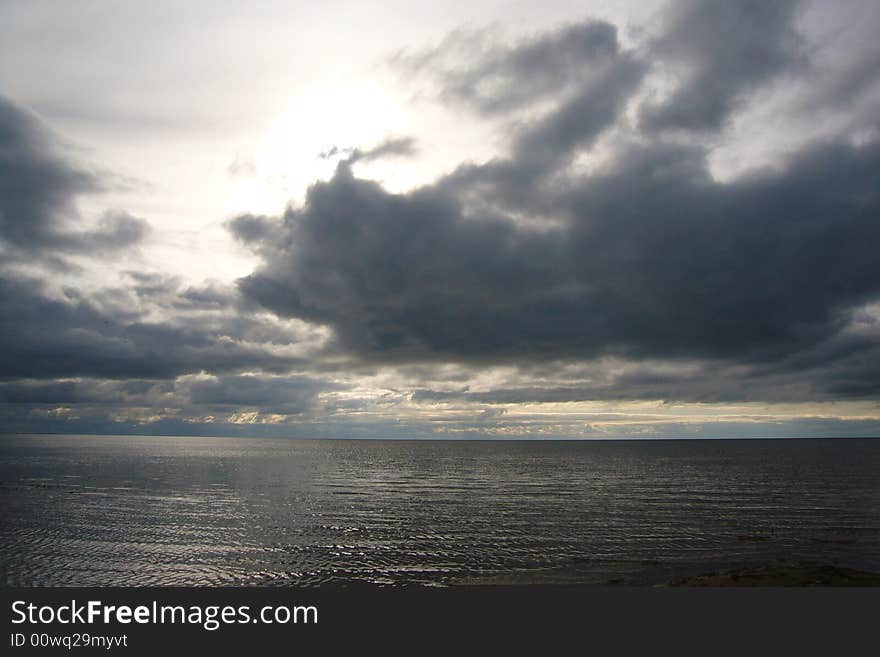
x=445, y=439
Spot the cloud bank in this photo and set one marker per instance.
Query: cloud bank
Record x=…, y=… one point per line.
x=597, y=264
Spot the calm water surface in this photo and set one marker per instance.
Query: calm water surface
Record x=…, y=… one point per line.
x=92, y=510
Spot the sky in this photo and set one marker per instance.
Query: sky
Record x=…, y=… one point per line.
x=479, y=219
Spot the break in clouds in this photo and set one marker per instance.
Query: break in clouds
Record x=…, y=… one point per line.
x=598, y=271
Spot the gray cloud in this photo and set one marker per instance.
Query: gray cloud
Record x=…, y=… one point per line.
x=391, y=147
x=394, y=147
x=290, y=394
x=188, y=404
x=392, y=272
x=46, y=337
x=287, y=395
x=38, y=188
x=657, y=260
x=648, y=256
x=579, y=120
x=723, y=50
x=497, y=79
x=31, y=392
x=755, y=289
x=251, y=229
x=115, y=231
x=845, y=86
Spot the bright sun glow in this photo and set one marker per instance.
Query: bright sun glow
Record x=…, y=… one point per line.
x=289, y=157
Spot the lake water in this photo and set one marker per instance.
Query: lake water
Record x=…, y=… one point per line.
x=92, y=510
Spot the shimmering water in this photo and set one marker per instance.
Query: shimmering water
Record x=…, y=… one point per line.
x=89, y=510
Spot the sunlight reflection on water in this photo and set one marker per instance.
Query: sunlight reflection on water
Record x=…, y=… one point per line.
x=88, y=510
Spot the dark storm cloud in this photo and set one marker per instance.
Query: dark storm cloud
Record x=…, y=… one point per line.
x=542, y=147
x=116, y=230
x=251, y=229
x=724, y=50
x=499, y=79
x=206, y=297
x=46, y=337
x=578, y=121
x=712, y=383
x=658, y=260
x=761, y=266
x=718, y=53
x=750, y=290
x=287, y=395
x=580, y=70
x=846, y=365
x=274, y=394
x=648, y=256
x=38, y=188
x=84, y=391
x=394, y=272
x=150, y=285
x=35, y=186
x=189, y=405
x=54, y=392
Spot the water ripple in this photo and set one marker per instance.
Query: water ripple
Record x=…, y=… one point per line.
x=202, y=511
